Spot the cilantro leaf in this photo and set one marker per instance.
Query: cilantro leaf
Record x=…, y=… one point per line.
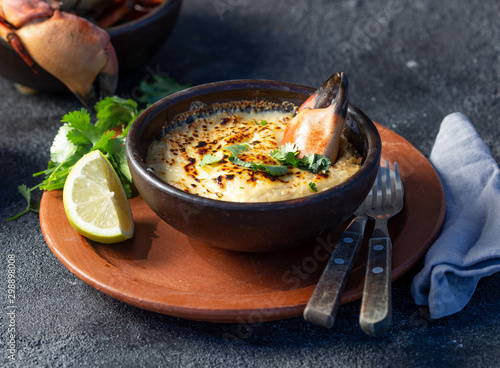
x=287, y=154
x=240, y=162
x=161, y=86
x=312, y=185
x=62, y=148
x=315, y=163
x=115, y=111
x=236, y=149
x=209, y=160
x=273, y=170
x=103, y=143
x=83, y=132
x=114, y=150
x=26, y=193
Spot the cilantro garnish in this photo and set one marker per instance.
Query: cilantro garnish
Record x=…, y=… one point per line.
x=273, y=170
x=262, y=122
x=288, y=155
x=78, y=136
x=312, y=185
x=236, y=149
x=238, y=161
x=209, y=159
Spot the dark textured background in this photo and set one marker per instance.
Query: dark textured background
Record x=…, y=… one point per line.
x=410, y=63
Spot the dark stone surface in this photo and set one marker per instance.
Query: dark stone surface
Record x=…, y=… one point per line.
x=410, y=63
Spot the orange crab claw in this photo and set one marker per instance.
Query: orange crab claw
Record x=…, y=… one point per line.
x=13, y=15
x=75, y=51
x=324, y=95
x=18, y=13
x=319, y=123
x=72, y=49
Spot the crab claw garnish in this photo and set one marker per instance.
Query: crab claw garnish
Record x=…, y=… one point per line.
x=320, y=120
x=19, y=13
x=75, y=51
x=324, y=95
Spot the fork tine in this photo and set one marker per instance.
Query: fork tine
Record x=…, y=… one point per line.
x=371, y=196
x=378, y=200
x=398, y=185
x=387, y=187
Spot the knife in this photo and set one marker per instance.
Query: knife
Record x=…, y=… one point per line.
x=325, y=300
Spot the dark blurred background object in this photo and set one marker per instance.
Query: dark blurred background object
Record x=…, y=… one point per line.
x=135, y=40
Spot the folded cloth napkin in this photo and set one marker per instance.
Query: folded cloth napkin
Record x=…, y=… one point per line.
x=468, y=247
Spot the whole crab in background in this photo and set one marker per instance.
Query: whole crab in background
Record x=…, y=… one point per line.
x=56, y=36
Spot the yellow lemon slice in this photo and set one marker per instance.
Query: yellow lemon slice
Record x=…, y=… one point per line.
x=95, y=202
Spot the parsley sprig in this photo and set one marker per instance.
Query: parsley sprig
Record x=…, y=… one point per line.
x=78, y=136
x=286, y=156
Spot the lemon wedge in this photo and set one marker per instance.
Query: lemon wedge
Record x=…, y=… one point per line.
x=95, y=201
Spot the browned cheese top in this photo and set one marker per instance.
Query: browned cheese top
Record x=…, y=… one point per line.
x=176, y=157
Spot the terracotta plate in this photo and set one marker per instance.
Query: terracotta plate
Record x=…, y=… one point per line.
x=164, y=271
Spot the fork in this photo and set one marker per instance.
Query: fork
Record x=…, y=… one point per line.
x=325, y=300
x=386, y=198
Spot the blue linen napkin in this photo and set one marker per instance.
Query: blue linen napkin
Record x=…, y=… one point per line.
x=468, y=247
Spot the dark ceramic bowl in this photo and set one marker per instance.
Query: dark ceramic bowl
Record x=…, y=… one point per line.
x=250, y=227
x=135, y=42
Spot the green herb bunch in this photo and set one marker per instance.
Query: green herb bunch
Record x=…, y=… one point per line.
x=78, y=136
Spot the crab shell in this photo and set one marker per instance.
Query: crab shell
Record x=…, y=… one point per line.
x=70, y=48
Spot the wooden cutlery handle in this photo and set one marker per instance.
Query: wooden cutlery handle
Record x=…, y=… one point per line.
x=323, y=305
x=376, y=305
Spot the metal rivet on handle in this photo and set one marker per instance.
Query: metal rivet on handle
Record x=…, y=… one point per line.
x=377, y=270
x=348, y=240
x=378, y=247
x=339, y=261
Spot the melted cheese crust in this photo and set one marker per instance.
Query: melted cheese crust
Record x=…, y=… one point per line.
x=175, y=157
